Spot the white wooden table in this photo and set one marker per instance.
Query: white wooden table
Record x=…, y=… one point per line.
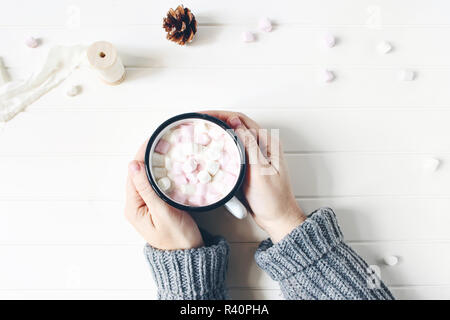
x=357, y=144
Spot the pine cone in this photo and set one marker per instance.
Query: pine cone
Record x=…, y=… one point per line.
x=180, y=25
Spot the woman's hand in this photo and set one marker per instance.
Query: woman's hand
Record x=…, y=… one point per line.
x=267, y=187
x=161, y=225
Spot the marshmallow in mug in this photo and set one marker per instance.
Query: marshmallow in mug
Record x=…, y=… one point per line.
x=196, y=163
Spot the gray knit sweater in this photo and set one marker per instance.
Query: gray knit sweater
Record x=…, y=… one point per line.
x=312, y=262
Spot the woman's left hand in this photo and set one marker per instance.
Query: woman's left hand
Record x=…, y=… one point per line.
x=162, y=226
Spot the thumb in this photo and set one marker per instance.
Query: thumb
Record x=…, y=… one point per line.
x=141, y=183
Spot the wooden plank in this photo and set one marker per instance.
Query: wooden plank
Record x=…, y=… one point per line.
x=222, y=46
x=77, y=131
x=256, y=87
x=416, y=265
x=361, y=219
x=93, y=222
x=74, y=268
x=336, y=174
x=372, y=14
x=65, y=223
x=124, y=268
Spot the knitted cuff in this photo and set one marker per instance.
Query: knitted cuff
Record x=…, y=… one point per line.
x=302, y=247
x=191, y=274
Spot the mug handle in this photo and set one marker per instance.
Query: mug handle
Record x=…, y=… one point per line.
x=236, y=208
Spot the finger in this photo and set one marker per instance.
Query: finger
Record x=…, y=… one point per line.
x=140, y=155
x=226, y=116
x=142, y=185
x=262, y=135
x=254, y=154
x=133, y=199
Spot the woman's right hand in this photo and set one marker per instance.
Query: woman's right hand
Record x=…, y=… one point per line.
x=267, y=186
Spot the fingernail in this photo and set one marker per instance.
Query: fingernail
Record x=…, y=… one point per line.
x=235, y=122
x=134, y=166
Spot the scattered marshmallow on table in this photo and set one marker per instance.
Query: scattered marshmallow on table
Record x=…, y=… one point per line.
x=327, y=76
x=247, y=36
x=407, y=75
x=72, y=91
x=265, y=24
x=196, y=163
x=32, y=42
x=329, y=40
x=384, y=47
x=390, y=260
x=431, y=164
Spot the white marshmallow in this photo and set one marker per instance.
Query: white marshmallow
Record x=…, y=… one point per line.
x=407, y=75
x=159, y=172
x=213, y=154
x=198, y=148
x=265, y=24
x=200, y=127
x=217, y=145
x=164, y=184
x=188, y=148
x=247, y=36
x=212, y=167
x=329, y=40
x=172, y=136
x=203, y=176
x=218, y=177
x=168, y=163
x=158, y=160
x=190, y=165
x=188, y=189
x=390, y=260
x=384, y=47
x=72, y=91
x=327, y=76
x=177, y=153
x=220, y=187
x=431, y=164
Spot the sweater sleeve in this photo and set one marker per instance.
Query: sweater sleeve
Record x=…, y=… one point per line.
x=191, y=274
x=313, y=262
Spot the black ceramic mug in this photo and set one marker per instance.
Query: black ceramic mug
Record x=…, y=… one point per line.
x=233, y=205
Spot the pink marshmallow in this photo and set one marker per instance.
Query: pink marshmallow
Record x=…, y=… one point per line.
x=212, y=198
x=200, y=167
x=230, y=147
x=162, y=146
x=187, y=132
x=201, y=189
x=177, y=168
x=178, y=196
x=203, y=139
x=224, y=160
x=216, y=133
x=197, y=201
x=233, y=168
x=192, y=178
x=229, y=179
x=180, y=179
